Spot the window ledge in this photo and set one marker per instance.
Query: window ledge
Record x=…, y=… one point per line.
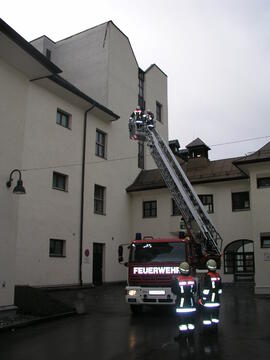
x=99, y=213
x=57, y=256
x=56, y=188
x=240, y=210
x=65, y=127
x=101, y=157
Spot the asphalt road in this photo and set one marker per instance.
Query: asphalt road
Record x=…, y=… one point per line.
x=108, y=331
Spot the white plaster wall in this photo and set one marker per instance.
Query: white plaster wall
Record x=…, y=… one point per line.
x=44, y=212
x=155, y=85
x=101, y=62
x=115, y=173
x=84, y=61
x=260, y=199
x=13, y=94
x=39, y=44
x=119, y=170
x=155, y=89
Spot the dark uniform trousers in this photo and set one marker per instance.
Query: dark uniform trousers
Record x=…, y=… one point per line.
x=184, y=287
x=211, y=288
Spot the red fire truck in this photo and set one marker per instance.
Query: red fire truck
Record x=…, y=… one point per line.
x=153, y=263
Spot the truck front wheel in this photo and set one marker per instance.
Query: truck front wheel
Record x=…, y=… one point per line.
x=136, y=309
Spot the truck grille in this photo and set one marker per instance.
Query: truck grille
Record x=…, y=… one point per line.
x=151, y=281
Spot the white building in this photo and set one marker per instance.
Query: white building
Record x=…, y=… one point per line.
x=236, y=194
x=74, y=154
x=69, y=137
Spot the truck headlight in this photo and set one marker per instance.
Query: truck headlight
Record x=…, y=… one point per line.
x=131, y=292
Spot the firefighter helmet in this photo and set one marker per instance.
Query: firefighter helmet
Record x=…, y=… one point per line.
x=184, y=268
x=211, y=265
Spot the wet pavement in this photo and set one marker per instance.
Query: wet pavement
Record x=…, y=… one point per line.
x=108, y=331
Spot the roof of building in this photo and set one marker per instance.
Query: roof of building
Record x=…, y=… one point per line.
x=197, y=143
x=215, y=171
x=174, y=142
x=155, y=65
x=70, y=87
x=263, y=154
x=52, y=70
x=28, y=48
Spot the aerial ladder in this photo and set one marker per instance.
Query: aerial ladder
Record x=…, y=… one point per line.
x=206, y=242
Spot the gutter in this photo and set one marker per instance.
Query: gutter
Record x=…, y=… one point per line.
x=82, y=192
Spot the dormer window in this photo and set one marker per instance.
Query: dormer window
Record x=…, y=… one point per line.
x=48, y=54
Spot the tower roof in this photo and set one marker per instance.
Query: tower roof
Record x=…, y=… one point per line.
x=197, y=143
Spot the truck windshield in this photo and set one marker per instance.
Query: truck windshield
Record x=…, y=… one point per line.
x=158, y=252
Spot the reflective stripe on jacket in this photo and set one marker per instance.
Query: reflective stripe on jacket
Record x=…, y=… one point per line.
x=210, y=290
x=184, y=286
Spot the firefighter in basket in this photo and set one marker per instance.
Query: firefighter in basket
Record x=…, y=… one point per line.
x=184, y=287
x=209, y=297
x=138, y=122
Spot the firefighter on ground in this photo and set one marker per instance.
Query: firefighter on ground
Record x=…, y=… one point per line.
x=209, y=297
x=184, y=287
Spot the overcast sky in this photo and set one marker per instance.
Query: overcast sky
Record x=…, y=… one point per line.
x=216, y=54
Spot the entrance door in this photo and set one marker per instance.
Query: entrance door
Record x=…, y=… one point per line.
x=97, y=263
x=244, y=266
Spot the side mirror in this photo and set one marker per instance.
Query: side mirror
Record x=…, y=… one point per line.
x=120, y=253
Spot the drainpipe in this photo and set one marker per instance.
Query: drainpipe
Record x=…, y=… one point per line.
x=82, y=191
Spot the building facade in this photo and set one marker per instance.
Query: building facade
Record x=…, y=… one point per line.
x=235, y=193
x=75, y=155
x=64, y=124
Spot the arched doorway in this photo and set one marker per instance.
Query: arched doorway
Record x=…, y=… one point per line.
x=239, y=260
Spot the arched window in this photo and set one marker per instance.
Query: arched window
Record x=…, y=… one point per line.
x=239, y=258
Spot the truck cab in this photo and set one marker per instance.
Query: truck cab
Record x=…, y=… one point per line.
x=152, y=266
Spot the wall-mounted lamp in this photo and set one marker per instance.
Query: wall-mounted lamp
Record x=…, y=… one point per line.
x=19, y=188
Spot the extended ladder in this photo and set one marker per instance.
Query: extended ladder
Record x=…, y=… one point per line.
x=202, y=230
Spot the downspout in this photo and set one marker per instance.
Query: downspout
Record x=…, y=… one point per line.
x=82, y=192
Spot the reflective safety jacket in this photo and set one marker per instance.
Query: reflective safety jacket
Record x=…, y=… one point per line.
x=184, y=287
x=211, y=288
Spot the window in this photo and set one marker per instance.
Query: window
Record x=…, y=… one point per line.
x=265, y=240
x=57, y=248
x=60, y=181
x=175, y=210
x=99, y=200
x=48, y=54
x=240, y=201
x=263, y=182
x=158, y=252
x=239, y=259
x=150, y=209
x=141, y=155
x=207, y=201
x=159, y=111
x=141, y=101
x=100, y=144
x=63, y=119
